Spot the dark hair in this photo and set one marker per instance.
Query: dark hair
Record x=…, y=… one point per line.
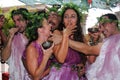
x=78, y=34
x=22, y=11
x=1, y=15
x=111, y=17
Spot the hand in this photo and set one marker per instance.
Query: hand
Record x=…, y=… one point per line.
x=48, y=52
x=70, y=28
x=12, y=31
x=56, y=38
x=68, y=31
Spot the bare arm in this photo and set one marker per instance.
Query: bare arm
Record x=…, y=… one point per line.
x=33, y=67
x=61, y=49
x=82, y=47
x=46, y=72
x=7, y=50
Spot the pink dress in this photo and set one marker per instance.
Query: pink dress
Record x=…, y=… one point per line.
x=16, y=68
x=40, y=58
x=64, y=71
x=107, y=64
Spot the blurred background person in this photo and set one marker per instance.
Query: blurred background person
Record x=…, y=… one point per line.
x=16, y=44
x=54, y=18
x=3, y=37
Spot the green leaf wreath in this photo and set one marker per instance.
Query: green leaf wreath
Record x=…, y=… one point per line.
x=35, y=21
x=73, y=6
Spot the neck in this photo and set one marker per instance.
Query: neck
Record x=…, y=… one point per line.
x=40, y=40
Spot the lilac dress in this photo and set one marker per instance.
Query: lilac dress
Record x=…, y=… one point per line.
x=16, y=68
x=64, y=71
x=40, y=58
x=107, y=64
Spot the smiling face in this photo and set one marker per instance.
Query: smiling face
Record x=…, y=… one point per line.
x=54, y=20
x=108, y=28
x=70, y=18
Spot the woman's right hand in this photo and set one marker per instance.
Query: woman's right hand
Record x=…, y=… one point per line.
x=12, y=31
x=68, y=30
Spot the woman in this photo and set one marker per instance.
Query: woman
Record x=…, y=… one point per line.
x=66, y=57
x=36, y=58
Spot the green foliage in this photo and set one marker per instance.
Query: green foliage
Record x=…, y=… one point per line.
x=8, y=21
x=0, y=10
x=35, y=22
x=57, y=65
x=73, y=6
x=52, y=9
x=105, y=20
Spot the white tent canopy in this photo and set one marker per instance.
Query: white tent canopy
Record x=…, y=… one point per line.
x=10, y=3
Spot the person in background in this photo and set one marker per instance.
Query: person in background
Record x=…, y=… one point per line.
x=106, y=65
x=54, y=18
x=3, y=37
x=66, y=57
x=16, y=44
x=3, y=41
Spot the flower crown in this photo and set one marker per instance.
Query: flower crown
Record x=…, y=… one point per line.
x=53, y=9
x=105, y=20
x=72, y=6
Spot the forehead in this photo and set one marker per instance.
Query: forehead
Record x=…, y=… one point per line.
x=17, y=16
x=70, y=11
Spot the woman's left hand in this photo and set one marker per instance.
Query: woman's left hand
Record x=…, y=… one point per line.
x=48, y=52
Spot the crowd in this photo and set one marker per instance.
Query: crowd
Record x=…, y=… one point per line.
x=46, y=45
